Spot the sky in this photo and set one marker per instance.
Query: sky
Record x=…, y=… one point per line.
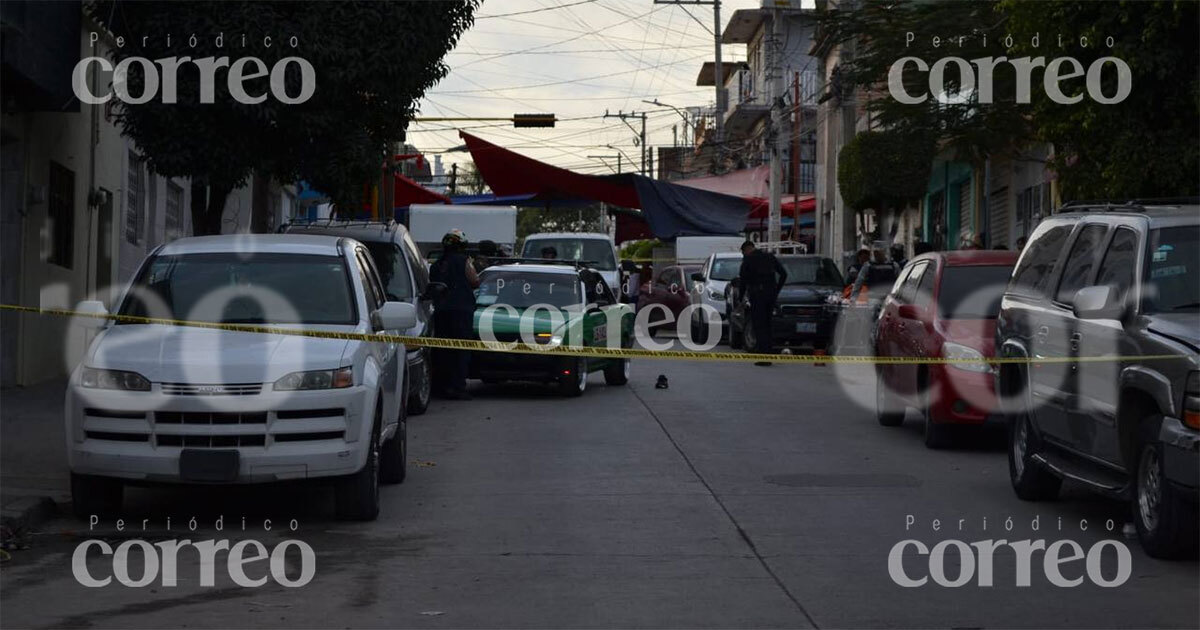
x=575, y=59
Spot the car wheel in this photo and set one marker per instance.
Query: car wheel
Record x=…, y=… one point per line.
x=357, y=495
x=1166, y=522
x=99, y=496
x=617, y=373
x=735, y=336
x=575, y=383
x=394, y=458
x=937, y=435
x=418, y=401
x=1030, y=481
x=888, y=411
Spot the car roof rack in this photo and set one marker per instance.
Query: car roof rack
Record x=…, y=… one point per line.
x=778, y=247
x=1134, y=205
x=390, y=224
x=578, y=264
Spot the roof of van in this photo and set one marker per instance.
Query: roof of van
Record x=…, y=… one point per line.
x=582, y=235
x=367, y=232
x=311, y=244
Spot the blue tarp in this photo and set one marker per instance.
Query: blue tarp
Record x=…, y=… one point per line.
x=673, y=210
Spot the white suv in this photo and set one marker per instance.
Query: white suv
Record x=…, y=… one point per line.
x=708, y=287
x=154, y=403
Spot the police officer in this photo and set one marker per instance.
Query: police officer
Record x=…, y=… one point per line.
x=453, y=313
x=761, y=277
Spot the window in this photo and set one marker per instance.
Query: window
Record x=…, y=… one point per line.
x=61, y=216
x=972, y=292
x=174, y=212
x=1120, y=260
x=597, y=289
x=725, y=268
x=151, y=221
x=1081, y=262
x=393, y=272
x=811, y=270
x=925, y=286
x=1172, y=276
x=908, y=292
x=1033, y=270
x=135, y=199
x=312, y=289
x=522, y=290
x=668, y=276
x=904, y=273
x=374, y=291
x=416, y=263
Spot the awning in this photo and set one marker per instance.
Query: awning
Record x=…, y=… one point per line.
x=406, y=192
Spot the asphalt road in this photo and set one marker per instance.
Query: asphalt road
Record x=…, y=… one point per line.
x=739, y=497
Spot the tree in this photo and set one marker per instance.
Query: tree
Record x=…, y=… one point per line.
x=372, y=61
x=575, y=219
x=1143, y=146
x=884, y=170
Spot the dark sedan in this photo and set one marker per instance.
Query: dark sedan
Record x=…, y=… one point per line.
x=800, y=317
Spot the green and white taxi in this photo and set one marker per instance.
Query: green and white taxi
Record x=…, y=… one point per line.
x=556, y=304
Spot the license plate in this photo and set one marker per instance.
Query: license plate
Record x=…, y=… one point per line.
x=206, y=465
x=806, y=327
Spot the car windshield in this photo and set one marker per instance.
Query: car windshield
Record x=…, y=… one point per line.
x=725, y=268
x=521, y=289
x=393, y=270
x=973, y=291
x=240, y=288
x=811, y=271
x=1172, y=280
x=597, y=251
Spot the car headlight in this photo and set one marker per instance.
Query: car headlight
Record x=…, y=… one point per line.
x=113, y=379
x=716, y=295
x=316, y=379
x=965, y=357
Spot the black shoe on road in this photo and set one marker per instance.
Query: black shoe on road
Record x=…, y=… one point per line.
x=762, y=363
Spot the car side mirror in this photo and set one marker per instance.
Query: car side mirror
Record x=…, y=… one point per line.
x=697, y=276
x=394, y=316
x=91, y=307
x=434, y=290
x=911, y=311
x=1099, y=302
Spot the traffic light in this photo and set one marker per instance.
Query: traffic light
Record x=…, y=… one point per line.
x=533, y=120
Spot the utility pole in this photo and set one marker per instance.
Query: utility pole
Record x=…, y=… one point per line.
x=718, y=70
x=797, y=129
x=776, y=137
x=453, y=177
x=640, y=135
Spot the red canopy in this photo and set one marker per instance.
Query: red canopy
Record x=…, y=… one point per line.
x=510, y=173
x=407, y=192
x=761, y=207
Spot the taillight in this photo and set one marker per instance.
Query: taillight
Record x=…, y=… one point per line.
x=1191, y=401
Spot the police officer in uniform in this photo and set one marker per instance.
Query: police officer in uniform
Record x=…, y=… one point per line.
x=761, y=277
x=453, y=313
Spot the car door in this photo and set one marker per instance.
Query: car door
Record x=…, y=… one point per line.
x=910, y=328
x=1094, y=414
x=885, y=340
x=1057, y=338
x=386, y=353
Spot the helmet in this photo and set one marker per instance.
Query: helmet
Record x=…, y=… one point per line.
x=453, y=238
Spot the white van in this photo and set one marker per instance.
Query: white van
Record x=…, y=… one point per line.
x=597, y=249
x=695, y=250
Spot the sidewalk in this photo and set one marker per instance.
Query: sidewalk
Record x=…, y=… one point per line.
x=33, y=459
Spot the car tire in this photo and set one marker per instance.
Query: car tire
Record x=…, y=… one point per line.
x=356, y=497
x=99, y=496
x=937, y=435
x=575, y=383
x=617, y=373
x=1029, y=480
x=888, y=411
x=749, y=339
x=394, y=457
x=1166, y=522
x=735, y=337
x=418, y=400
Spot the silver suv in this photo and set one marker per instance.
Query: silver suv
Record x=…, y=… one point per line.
x=1109, y=280
x=405, y=278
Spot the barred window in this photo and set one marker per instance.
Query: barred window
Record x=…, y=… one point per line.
x=174, y=212
x=135, y=200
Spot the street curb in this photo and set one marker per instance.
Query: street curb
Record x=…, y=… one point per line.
x=25, y=512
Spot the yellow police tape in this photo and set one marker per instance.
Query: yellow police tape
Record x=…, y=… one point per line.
x=587, y=351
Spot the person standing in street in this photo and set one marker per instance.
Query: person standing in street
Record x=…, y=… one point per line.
x=761, y=277
x=453, y=314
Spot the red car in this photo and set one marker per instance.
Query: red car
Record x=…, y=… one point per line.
x=944, y=304
x=672, y=288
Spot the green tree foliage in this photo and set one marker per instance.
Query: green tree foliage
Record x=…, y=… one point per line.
x=565, y=219
x=1143, y=146
x=884, y=169
x=372, y=62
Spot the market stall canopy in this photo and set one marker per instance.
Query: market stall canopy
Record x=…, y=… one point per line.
x=670, y=209
x=407, y=192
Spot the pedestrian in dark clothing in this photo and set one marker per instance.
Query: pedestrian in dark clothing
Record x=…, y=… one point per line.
x=922, y=247
x=898, y=256
x=453, y=314
x=861, y=258
x=488, y=253
x=761, y=277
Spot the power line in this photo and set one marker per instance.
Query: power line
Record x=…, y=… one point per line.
x=504, y=15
